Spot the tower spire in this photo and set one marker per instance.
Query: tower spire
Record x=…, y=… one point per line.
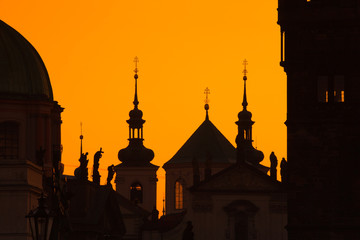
x=81, y=140
x=244, y=103
x=136, y=102
x=207, y=92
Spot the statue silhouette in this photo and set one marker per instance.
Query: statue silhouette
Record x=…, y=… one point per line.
x=82, y=171
x=111, y=172
x=96, y=176
x=283, y=170
x=273, y=165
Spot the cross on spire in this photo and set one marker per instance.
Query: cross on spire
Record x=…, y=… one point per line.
x=245, y=63
x=136, y=60
x=207, y=92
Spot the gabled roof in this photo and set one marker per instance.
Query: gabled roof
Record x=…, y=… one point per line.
x=206, y=141
x=239, y=178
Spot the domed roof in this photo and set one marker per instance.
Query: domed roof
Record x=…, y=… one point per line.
x=23, y=74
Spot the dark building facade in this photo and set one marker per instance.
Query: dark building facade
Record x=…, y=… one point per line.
x=319, y=53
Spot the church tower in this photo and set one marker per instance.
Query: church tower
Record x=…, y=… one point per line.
x=136, y=176
x=320, y=55
x=245, y=150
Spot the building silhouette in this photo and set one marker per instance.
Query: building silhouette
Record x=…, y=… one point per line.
x=320, y=55
x=30, y=140
x=225, y=192
x=136, y=177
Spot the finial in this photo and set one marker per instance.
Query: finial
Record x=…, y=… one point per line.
x=81, y=139
x=136, y=60
x=245, y=62
x=244, y=103
x=207, y=92
x=136, y=102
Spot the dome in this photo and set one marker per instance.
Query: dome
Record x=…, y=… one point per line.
x=135, y=154
x=23, y=74
x=244, y=115
x=136, y=113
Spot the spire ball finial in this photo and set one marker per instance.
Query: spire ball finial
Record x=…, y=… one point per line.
x=207, y=92
x=244, y=103
x=136, y=101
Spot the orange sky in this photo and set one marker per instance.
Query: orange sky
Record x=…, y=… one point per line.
x=183, y=47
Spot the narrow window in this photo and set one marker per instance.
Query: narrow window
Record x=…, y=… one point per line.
x=339, y=93
x=9, y=140
x=323, y=89
x=136, y=193
x=179, y=195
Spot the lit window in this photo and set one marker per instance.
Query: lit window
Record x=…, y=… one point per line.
x=339, y=93
x=9, y=140
x=179, y=195
x=323, y=89
x=136, y=193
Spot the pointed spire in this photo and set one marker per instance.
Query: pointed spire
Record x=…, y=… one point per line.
x=207, y=92
x=81, y=139
x=244, y=103
x=136, y=102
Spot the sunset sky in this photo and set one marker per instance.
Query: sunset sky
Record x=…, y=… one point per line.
x=183, y=47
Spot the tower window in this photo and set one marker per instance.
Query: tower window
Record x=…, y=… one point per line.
x=9, y=140
x=179, y=195
x=323, y=89
x=339, y=93
x=136, y=193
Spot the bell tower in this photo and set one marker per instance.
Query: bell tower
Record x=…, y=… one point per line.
x=320, y=55
x=136, y=177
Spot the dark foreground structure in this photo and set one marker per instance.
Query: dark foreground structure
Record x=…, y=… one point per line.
x=320, y=55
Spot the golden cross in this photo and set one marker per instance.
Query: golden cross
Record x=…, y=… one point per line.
x=245, y=63
x=136, y=60
x=207, y=92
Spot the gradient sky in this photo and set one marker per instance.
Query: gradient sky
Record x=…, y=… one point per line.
x=183, y=47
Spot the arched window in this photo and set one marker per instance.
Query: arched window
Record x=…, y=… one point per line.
x=9, y=140
x=136, y=193
x=179, y=195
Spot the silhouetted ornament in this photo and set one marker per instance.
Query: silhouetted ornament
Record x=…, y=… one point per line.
x=22, y=71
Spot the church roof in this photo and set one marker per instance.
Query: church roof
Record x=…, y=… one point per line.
x=207, y=141
x=23, y=74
